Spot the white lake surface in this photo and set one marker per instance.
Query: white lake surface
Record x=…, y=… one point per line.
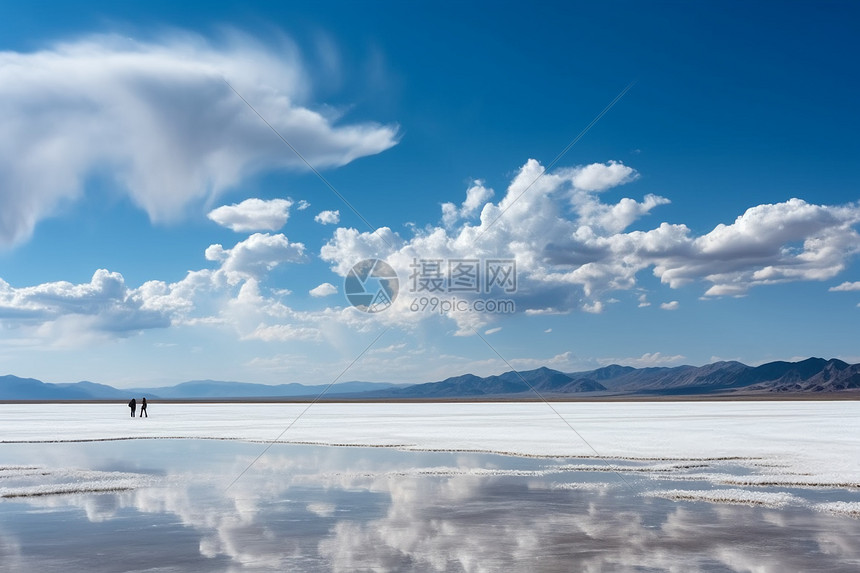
x=802, y=442
x=721, y=486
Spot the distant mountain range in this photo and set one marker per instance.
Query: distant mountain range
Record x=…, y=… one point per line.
x=15, y=388
x=813, y=376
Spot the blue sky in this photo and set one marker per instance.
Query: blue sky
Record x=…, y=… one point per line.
x=154, y=229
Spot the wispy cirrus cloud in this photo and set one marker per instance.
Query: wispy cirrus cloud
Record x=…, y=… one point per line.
x=158, y=118
x=649, y=359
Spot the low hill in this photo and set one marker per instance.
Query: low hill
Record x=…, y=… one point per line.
x=15, y=388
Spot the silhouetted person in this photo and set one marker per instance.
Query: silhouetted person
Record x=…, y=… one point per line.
x=133, y=406
x=143, y=408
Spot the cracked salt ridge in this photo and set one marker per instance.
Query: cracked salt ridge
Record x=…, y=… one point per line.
x=769, y=480
x=63, y=489
x=846, y=508
x=546, y=471
x=412, y=448
x=659, y=468
x=561, y=456
x=74, y=482
x=586, y=486
x=130, y=438
x=729, y=496
x=10, y=472
x=776, y=500
x=443, y=472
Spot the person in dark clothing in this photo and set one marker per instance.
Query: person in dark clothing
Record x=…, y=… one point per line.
x=133, y=406
x=143, y=408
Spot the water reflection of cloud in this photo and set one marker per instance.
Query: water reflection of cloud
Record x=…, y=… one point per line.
x=347, y=510
x=459, y=523
x=10, y=552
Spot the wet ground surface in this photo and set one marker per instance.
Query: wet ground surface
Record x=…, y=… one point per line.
x=214, y=505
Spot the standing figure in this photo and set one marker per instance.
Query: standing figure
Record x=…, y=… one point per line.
x=143, y=408
x=133, y=406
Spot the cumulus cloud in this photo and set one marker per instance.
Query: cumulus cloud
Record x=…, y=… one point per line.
x=302, y=205
x=159, y=119
x=255, y=316
x=105, y=304
x=567, y=248
x=573, y=249
x=255, y=256
x=229, y=296
x=328, y=217
x=253, y=215
x=602, y=176
x=476, y=197
x=325, y=289
x=846, y=287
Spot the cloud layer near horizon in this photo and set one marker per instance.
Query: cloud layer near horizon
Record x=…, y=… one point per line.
x=158, y=120
x=572, y=250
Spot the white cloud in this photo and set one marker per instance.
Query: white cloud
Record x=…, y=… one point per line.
x=476, y=196
x=548, y=330
x=846, y=287
x=325, y=289
x=602, y=176
x=302, y=205
x=105, y=305
x=568, y=259
x=328, y=217
x=670, y=305
x=595, y=307
x=646, y=360
x=768, y=244
x=258, y=317
x=613, y=218
x=253, y=215
x=255, y=256
x=643, y=301
x=158, y=118
x=282, y=332
x=493, y=330
x=572, y=250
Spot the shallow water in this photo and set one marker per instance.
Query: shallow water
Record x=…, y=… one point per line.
x=213, y=505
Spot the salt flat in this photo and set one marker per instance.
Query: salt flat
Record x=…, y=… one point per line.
x=792, y=443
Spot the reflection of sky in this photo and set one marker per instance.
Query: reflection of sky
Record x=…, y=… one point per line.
x=376, y=509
